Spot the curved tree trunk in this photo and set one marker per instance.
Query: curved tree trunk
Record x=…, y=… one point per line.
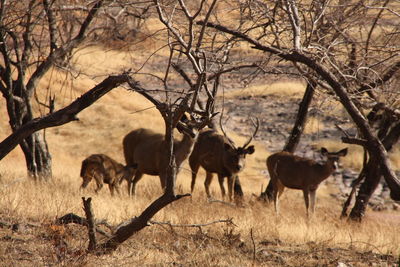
x=389, y=135
x=373, y=176
x=371, y=142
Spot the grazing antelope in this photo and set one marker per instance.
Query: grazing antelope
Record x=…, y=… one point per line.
x=104, y=170
x=291, y=171
x=217, y=153
x=147, y=149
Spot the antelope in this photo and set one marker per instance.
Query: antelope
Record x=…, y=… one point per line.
x=104, y=170
x=216, y=153
x=146, y=148
x=291, y=171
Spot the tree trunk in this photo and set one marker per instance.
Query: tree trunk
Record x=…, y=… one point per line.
x=37, y=156
x=62, y=116
x=297, y=131
x=373, y=176
x=301, y=118
x=35, y=148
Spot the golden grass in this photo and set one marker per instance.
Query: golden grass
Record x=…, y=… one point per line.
x=394, y=158
x=281, y=89
x=27, y=201
x=101, y=129
x=313, y=125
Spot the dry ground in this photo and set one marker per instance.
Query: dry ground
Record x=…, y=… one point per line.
x=257, y=237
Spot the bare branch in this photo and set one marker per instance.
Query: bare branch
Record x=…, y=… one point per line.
x=374, y=24
x=130, y=227
x=90, y=223
x=61, y=116
x=62, y=51
x=354, y=141
x=73, y=218
x=52, y=25
x=295, y=22
x=202, y=31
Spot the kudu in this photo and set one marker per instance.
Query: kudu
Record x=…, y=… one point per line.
x=216, y=153
x=291, y=171
x=146, y=148
x=105, y=170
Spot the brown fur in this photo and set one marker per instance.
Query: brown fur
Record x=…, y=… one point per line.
x=104, y=170
x=147, y=149
x=291, y=171
x=216, y=154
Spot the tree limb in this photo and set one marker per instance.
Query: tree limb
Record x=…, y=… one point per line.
x=374, y=146
x=73, y=218
x=87, y=205
x=62, y=51
x=62, y=116
x=134, y=225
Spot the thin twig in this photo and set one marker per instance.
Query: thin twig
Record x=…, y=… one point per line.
x=222, y=202
x=254, y=245
x=342, y=130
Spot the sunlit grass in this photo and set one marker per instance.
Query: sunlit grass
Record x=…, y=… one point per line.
x=282, y=89
x=43, y=202
x=313, y=125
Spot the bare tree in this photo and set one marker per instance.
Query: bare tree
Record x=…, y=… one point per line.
x=31, y=43
x=354, y=60
x=172, y=104
x=36, y=36
x=173, y=107
x=62, y=116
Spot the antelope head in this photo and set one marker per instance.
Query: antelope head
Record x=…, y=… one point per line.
x=233, y=156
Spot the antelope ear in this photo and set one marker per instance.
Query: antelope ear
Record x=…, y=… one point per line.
x=324, y=151
x=342, y=152
x=250, y=150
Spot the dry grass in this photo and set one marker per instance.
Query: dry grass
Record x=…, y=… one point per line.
x=284, y=240
x=281, y=89
x=24, y=201
x=313, y=125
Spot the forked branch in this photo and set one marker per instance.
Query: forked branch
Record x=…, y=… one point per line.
x=134, y=225
x=62, y=116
